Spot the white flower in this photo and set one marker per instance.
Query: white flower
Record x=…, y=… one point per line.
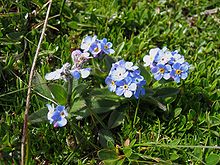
x=149, y=59
x=87, y=42
x=85, y=72
x=129, y=66
x=119, y=73
x=50, y=112
x=59, y=73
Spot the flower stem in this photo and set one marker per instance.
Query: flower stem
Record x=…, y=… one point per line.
x=135, y=115
x=69, y=92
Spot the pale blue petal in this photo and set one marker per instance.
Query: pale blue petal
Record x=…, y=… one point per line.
x=85, y=72
x=157, y=76
x=132, y=87
x=177, y=79
x=168, y=67
x=119, y=91
x=75, y=74
x=184, y=75
x=62, y=122
x=176, y=65
x=60, y=108
x=111, y=51
x=166, y=76
x=128, y=94
x=55, y=75
x=154, y=69
x=109, y=44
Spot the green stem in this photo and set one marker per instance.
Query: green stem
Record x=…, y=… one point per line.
x=69, y=92
x=135, y=115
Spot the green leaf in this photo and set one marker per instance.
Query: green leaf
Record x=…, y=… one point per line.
x=108, y=62
x=182, y=124
x=38, y=116
x=15, y=35
x=166, y=92
x=105, y=93
x=120, y=161
x=155, y=102
x=177, y=112
x=107, y=154
x=132, y=143
x=104, y=105
x=106, y=139
x=119, y=48
x=213, y=159
x=99, y=106
x=145, y=73
x=79, y=89
x=78, y=105
x=174, y=156
x=41, y=86
x=59, y=93
x=127, y=151
x=73, y=24
x=191, y=114
x=175, y=142
x=110, y=162
x=116, y=118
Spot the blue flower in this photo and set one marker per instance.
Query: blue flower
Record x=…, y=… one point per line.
x=161, y=71
x=118, y=71
x=106, y=46
x=140, y=91
x=87, y=42
x=179, y=71
x=167, y=64
x=57, y=116
x=126, y=87
x=95, y=48
x=138, y=79
x=78, y=72
x=85, y=72
x=176, y=58
x=129, y=66
x=79, y=58
x=125, y=80
x=111, y=84
x=163, y=56
x=149, y=59
x=75, y=73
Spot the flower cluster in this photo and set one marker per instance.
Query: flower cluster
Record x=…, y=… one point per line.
x=125, y=80
x=57, y=115
x=76, y=71
x=89, y=45
x=166, y=64
x=79, y=58
x=96, y=46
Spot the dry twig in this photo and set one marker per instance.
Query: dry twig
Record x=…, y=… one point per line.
x=24, y=134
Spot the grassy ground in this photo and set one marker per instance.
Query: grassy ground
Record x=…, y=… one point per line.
x=133, y=27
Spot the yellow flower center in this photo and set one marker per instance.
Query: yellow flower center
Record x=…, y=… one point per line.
x=125, y=86
x=162, y=70
x=178, y=71
x=106, y=47
x=113, y=83
x=96, y=49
